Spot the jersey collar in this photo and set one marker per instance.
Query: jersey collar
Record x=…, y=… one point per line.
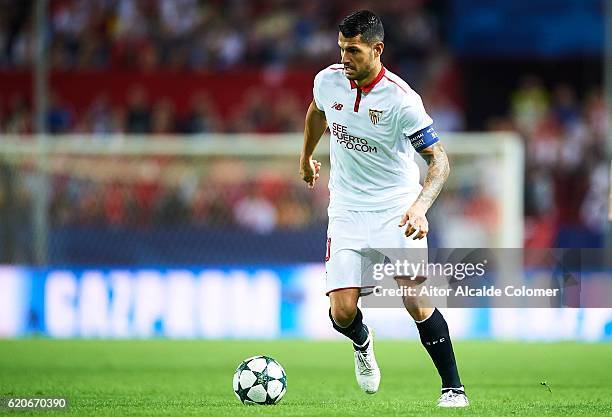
x=370, y=86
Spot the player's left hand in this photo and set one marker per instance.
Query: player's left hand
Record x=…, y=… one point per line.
x=416, y=221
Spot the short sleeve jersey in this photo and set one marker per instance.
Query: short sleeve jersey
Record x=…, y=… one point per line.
x=375, y=131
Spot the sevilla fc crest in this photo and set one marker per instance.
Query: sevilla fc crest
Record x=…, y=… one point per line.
x=375, y=115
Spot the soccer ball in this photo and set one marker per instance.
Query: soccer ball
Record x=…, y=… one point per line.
x=260, y=380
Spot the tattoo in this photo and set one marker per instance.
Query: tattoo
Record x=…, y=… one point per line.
x=437, y=173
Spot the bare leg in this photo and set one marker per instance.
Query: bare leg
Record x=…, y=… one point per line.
x=344, y=305
x=419, y=308
x=347, y=319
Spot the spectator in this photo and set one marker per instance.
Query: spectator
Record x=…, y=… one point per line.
x=202, y=116
x=529, y=103
x=100, y=117
x=138, y=113
x=115, y=205
x=564, y=105
x=59, y=118
x=287, y=115
x=254, y=116
x=163, y=117
x=447, y=116
x=18, y=119
x=255, y=213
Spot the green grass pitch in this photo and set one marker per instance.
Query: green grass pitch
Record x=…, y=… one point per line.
x=180, y=378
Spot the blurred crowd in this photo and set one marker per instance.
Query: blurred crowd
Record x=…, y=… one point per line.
x=149, y=36
x=566, y=173
x=567, y=170
x=141, y=115
x=261, y=204
x=257, y=111
x=566, y=180
x=206, y=34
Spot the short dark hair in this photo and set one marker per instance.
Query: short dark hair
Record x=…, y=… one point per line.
x=364, y=23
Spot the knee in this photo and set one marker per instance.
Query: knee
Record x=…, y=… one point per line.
x=343, y=313
x=419, y=313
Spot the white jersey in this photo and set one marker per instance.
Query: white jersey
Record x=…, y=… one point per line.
x=373, y=141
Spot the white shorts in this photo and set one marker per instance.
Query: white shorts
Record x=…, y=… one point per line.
x=353, y=236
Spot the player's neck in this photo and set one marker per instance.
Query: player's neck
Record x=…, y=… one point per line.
x=373, y=74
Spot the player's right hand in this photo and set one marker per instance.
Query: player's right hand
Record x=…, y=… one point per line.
x=309, y=171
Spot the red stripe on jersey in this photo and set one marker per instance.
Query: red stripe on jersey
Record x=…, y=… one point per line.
x=357, y=100
x=370, y=86
x=346, y=288
x=367, y=88
x=400, y=87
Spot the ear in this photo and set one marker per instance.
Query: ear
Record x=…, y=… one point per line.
x=378, y=48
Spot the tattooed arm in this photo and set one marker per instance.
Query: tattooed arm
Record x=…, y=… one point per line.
x=437, y=173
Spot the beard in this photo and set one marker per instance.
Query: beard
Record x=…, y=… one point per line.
x=356, y=75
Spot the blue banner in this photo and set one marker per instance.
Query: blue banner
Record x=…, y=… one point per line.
x=236, y=302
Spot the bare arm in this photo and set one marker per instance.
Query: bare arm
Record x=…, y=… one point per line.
x=314, y=127
x=437, y=173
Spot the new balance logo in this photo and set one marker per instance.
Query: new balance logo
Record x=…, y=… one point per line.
x=337, y=106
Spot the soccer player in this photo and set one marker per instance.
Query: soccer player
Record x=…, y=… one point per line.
x=377, y=122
